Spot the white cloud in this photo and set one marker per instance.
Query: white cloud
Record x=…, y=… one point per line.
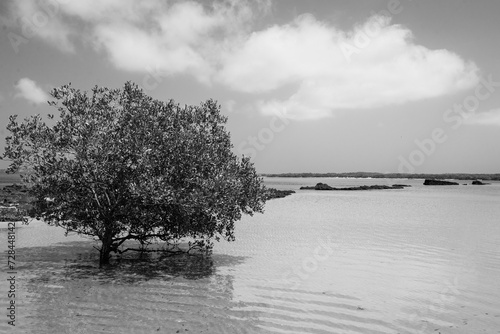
x=308, y=54
x=29, y=90
x=177, y=38
x=491, y=117
x=373, y=65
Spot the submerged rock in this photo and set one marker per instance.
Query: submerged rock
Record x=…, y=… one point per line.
x=432, y=182
x=478, y=183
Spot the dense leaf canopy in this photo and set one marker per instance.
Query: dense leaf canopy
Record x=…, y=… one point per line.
x=118, y=165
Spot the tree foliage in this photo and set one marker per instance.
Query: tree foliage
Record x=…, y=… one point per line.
x=119, y=165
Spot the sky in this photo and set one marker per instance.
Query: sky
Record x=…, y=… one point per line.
x=409, y=86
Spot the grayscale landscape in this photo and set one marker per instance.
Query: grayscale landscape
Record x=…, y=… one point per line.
x=249, y=166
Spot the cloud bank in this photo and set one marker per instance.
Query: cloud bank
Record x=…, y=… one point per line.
x=30, y=91
x=222, y=43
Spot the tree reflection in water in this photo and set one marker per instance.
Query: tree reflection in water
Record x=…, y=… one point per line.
x=64, y=291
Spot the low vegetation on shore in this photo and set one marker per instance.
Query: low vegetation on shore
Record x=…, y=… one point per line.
x=13, y=202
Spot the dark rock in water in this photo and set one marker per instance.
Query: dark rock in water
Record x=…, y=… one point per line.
x=323, y=186
x=319, y=186
x=479, y=183
x=275, y=193
x=431, y=182
x=400, y=185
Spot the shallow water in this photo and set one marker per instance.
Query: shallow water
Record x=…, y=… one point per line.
x=418, y=260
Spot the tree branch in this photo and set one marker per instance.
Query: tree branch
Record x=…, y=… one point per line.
x=144, y=250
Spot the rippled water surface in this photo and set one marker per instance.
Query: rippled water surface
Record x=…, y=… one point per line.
x=418, y=260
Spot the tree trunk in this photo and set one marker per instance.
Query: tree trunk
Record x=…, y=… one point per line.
x=105, y=251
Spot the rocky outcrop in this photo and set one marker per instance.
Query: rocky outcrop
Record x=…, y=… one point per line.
x=275, y=193
x=478, y=183
x=319, y=186
x=324, y=186
x=432, y=182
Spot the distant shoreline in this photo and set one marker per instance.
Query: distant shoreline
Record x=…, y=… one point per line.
x=456, y=176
